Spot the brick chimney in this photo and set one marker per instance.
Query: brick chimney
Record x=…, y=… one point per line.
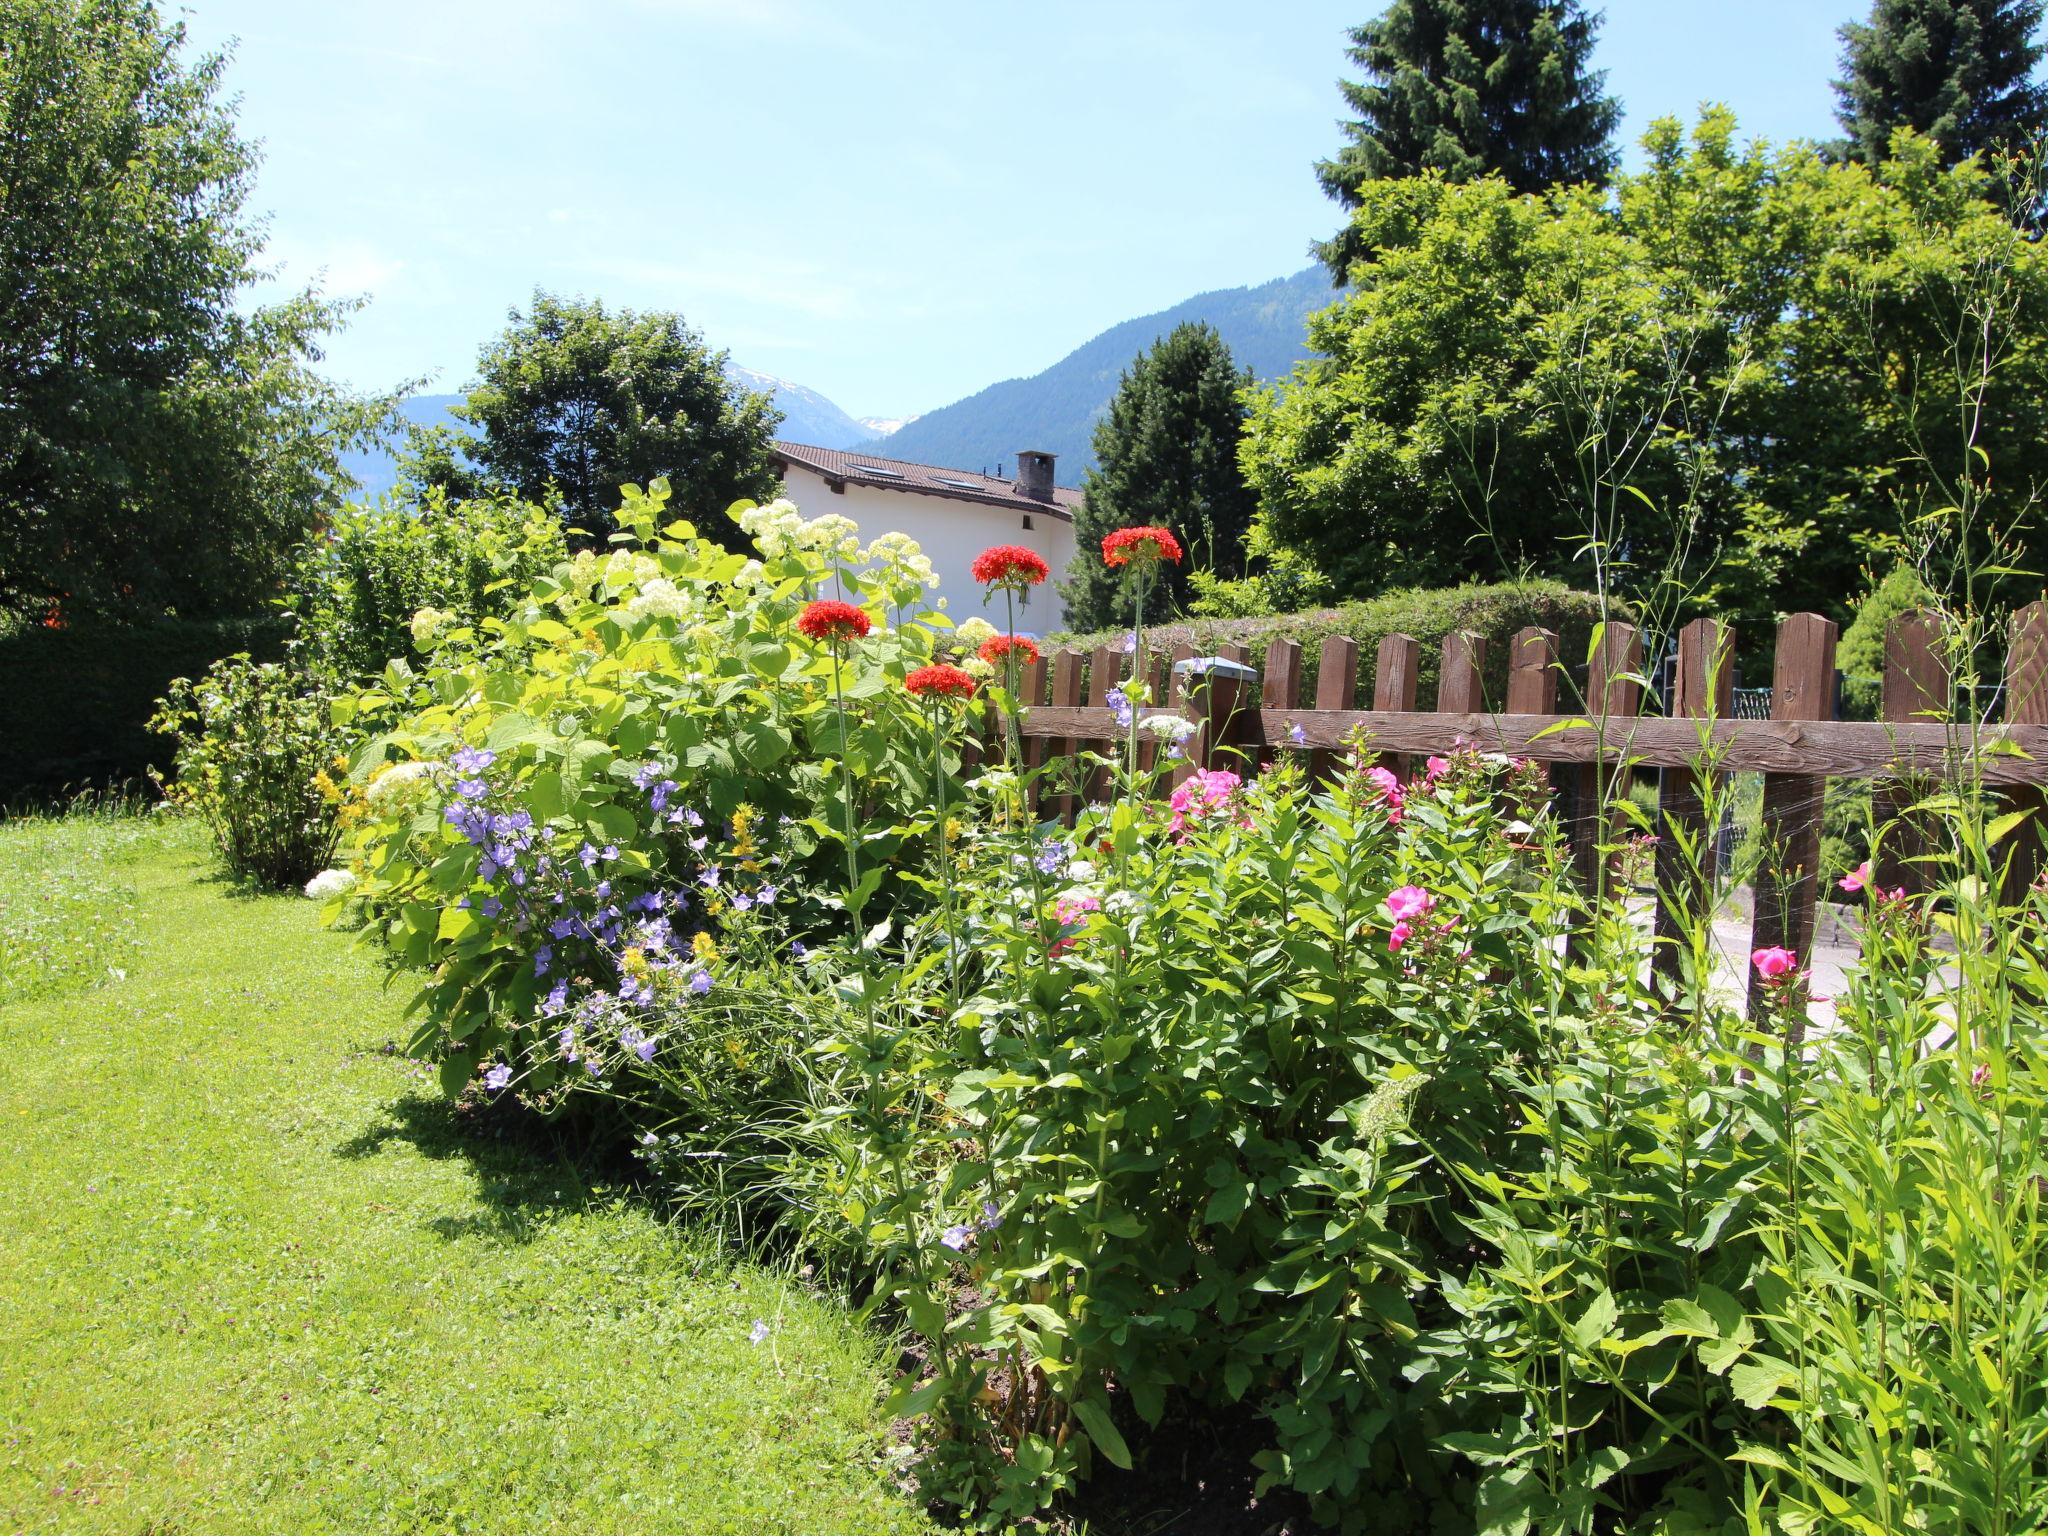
x=1034, y=474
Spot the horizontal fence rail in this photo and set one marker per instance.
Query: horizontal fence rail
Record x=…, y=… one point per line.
x=1242, y=718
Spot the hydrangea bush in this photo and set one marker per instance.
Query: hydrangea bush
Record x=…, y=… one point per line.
x=562, y=813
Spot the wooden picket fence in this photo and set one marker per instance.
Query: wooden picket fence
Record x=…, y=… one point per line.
x=1797, y=750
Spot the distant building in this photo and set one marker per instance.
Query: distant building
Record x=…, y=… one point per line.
x=954, y=514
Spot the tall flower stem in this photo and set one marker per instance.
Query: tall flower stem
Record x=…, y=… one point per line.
x=934, y=714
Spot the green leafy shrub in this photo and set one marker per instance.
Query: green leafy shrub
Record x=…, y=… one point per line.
x=1860, y=657
x=257, y=751
x=1497, y=612
x=564, y=808
x=358, y=587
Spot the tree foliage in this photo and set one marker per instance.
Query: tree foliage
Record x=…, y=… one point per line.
x=1166, y=455
x=1741, y=361
x=1470, y=88
x=574, y=401
x=160, y=448
x=1959, y=71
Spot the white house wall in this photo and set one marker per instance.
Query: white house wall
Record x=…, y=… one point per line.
x=952, y=533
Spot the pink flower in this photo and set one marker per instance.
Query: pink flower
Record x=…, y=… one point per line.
x=1436, y=768
x=1980, y=1074
x=1389, y=789
x=1401, y=934
x=1410, y=901
x=1069, y=911
x=1856, y=879
x=1775, y=963
x=1204, y=791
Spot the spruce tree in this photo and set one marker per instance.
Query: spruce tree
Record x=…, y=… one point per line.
x=1471, y=88
x=1166, y=454
x=1959, y=71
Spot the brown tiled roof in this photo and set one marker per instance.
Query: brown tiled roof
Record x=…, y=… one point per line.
x=924, y=479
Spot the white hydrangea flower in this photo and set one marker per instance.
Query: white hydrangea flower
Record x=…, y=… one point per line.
x=660, y=599
x=394, y=786
x=975, y=632
x=330, y=883
x=1174, y=728
x=427, y=625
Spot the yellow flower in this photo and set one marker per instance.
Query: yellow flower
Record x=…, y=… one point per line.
x=702, y=947
x=634, y=962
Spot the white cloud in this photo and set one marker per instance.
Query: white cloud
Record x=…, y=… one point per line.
x=344, y=267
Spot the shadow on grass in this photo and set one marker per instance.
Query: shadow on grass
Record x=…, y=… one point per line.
x=529, y=1173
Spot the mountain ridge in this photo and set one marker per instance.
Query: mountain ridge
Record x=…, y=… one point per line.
x=1264, y=325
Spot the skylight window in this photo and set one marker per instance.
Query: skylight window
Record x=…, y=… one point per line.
x=965, y=485
x=876, y=469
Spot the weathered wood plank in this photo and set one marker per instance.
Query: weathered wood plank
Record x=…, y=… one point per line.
x=1396, y=670
x=1066, y=693
x=1336, y=692
x=1614, y=697
x=1279, y=689
x=2026, y=704
x=1459, y=690
x=1916, y=687
x=1835, y=749
x=1788, y=881
x=1703, y=688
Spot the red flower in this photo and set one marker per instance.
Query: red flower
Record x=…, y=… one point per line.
x=832, y=620
x=1142, y=544
x=996, y=647
x=1010, y=565
x=939, y=681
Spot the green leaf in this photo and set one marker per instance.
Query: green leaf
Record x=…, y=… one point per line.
x=1756, y=1382
x=1597, y=1321
x=1103, y=1433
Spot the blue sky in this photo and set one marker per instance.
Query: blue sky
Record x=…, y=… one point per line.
x=894, y=204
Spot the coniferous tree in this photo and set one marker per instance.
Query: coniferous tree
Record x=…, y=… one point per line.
x=1166, y=454
x=1959, y=71
x=1471, y=88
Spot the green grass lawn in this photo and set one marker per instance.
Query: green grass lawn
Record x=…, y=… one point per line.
x=255, y=1277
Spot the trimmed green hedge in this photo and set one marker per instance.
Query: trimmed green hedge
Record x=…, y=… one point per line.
x=75, y=703
x=1497, y=612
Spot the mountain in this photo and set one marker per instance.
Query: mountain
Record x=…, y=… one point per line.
x=807, y=416
x=1056, y=410
x=885, y=426
x=374, y=469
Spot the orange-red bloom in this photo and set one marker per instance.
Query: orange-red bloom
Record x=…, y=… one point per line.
x=940, y=681
x=1144, y=544
x=829, y=619
x=996, y=648
x=1010, y=565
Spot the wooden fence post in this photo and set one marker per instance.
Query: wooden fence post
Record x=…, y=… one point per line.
x=1460, y=688
x=2026, y=703
x=1614, y=692
x=1916, y=687
x=1336, y=689
x=1396, y=669
x=1066, y=693
x=1031, y=687
x=1704, y=688
x=1532, y=672
x=1280, y=687
x=1103, y=675
x=1182, y=694
x=1788, y=881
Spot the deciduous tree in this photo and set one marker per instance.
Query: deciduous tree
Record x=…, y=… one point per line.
x=162, y=445
x=574, y=401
